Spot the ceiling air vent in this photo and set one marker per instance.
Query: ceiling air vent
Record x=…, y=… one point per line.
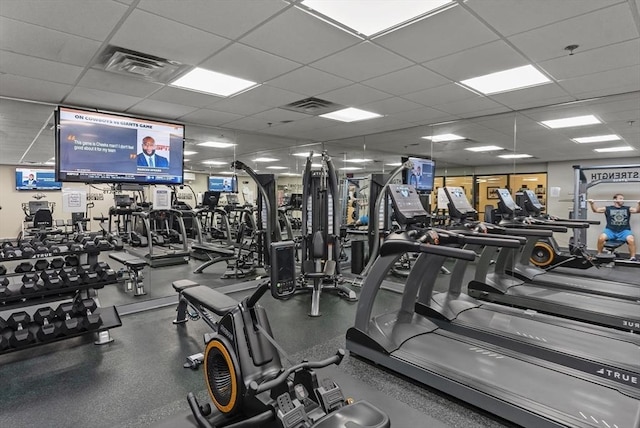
x=313, y=106
x=140, y=65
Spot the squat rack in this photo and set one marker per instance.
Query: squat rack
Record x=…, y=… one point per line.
x=581, y=186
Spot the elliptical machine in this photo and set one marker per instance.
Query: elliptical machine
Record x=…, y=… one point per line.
x=245, y=378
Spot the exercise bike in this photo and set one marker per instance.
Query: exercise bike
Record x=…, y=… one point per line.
x=245, y=378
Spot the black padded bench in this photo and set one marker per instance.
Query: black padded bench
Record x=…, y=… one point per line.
x=216, y=254
x=133, y=279
x=203, y=299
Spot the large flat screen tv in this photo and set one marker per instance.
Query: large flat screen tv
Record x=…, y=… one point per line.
x=223, y=184
x=36, y=179
x=96, y=147
x=421, y=176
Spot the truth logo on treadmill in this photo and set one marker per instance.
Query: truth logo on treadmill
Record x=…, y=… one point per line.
x=619, y=376
x=635, y=325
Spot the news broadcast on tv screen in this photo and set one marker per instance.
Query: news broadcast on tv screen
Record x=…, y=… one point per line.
x=100, y=147
x=222, y=184
x=36, y=179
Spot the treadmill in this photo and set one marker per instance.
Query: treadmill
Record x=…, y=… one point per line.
x=524, y=270
x=523, y=389
x=501, y=287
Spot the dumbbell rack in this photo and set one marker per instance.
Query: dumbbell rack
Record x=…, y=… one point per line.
x=70, y=283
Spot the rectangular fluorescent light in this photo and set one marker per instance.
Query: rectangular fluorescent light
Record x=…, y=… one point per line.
x=372, y=17
x=443, y=137
x=350, y=168
x=276, y=167
x=394, y=164
x=507, y=80
x=568, y=122
x=350, y=114
x=211, y=82
x=306, y=154
x=484, y=148
x=615, y=149
x=265, y=160
x=530, y=179
x=597, y=139
x=291, y=174
x=515, y=156
x=316, y=165
x=358, y=160
x=189, y=152
x=214, y=162
x=216, y=144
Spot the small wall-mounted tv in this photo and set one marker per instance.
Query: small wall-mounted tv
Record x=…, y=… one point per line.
x=93, y=147
x=421, y=176
x=223, y=184
x=36, y=179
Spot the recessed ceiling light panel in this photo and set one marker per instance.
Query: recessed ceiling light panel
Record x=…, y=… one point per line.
x=216, y=144
x=265, y=159
x=443, y=137
x=515, y=156
x=212, y=82
x=484, y=148
x=568, y=122
x=615, y=149
x=507, y=80
x=597, y=139
x=350, y=114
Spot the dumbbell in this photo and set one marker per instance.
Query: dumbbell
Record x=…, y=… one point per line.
x=51, y=279
x=5, y=291
x=21, y=335
x=3, y=270
x=69, y=324
x=11, y=253
x=105, y=272
x=72, y=260
x=30, y=283
x=41, y=265
x=70, y=277
x=24, y=267
x=75, y=248
x=56, y=263
x=4, y=342
x=87, y=275
x=90, y=313
x=47, y=329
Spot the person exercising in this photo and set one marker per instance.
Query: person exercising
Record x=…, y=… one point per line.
x=618, y=223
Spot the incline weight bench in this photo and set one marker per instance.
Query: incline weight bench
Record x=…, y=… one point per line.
x=132, y=274
x=216, y=254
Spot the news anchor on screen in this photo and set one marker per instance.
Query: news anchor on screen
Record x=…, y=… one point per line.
x=148, y=157
x=31, y=180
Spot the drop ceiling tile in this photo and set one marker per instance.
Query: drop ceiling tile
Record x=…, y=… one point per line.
x=185, y=97
x=609, y=81
x=510, y=17
x=32, y=89
x=618, y=55
x=299, y=127
x=248, y=124
x=478, y=61
x=442, y=34
x=267, y=95
x=44, y=43
x=152, y=34
x=161, y=109
x=411, y=79
x=226, y=18
x=112, y=82
x=354, y=95
x=593, y=30
x=521, y=97
x=309, y=81
x=361, y=62
x=391, y=106
x=92, y=19
x=209, y=117
x=94, y=98
x=300, y=37
x=477, y=106
x=28, y=66
x=278, y=115
x=444, y=94
x=424, y=115
x=249, y=63
x=239, y=106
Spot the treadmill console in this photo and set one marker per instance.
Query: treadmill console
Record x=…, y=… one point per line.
x=406, y=204
x=283, y=269
x=459, y=206
x=531, y=203
x=507, y=204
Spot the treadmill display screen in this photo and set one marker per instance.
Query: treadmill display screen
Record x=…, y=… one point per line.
x=406, y=203
x=533, y=199
x=507, y=200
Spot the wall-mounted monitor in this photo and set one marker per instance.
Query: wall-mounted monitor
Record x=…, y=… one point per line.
x=223, y=184
x=36, y=179
x=421, y=176
x=94, y=147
